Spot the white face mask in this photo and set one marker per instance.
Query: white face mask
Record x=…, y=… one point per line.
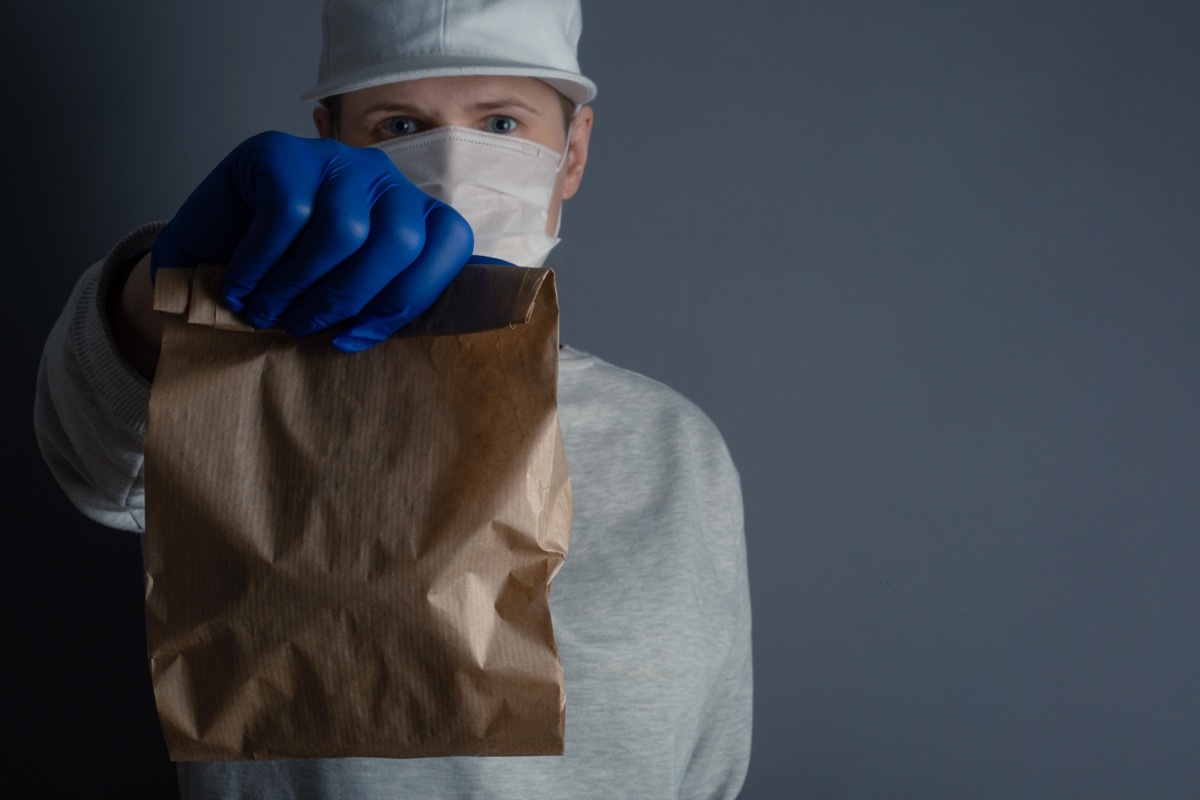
x=501, y=184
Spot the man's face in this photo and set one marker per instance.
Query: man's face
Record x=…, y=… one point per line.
x=510, y=106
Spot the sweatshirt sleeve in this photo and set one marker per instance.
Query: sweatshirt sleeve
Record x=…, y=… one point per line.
x=90, y=404
x=720, y=755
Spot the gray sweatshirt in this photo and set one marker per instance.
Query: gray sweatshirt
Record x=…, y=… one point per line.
x=651, y=609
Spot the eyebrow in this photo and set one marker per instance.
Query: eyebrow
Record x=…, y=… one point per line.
x=508, y=102
x=391, y=107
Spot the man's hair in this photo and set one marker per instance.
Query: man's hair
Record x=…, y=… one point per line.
x=333, y=104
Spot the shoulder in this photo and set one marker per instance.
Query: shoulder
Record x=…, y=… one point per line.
x=591, y=382
x=648, y=465
x=618, y=407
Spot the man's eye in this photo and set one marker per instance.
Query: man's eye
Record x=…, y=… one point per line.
x=400, y=126
x=501, y=124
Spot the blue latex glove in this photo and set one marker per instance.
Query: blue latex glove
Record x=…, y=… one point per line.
x=316, y=234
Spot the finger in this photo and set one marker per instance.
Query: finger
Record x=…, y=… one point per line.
x=282, y=208
x=448, y=243
x=207, y=227
x=396, y=236
x=337, y=227
x=277, y=177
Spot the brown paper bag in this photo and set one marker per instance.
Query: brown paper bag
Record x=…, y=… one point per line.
x=351, y=555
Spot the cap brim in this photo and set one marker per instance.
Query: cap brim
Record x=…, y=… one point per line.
x=574, y=86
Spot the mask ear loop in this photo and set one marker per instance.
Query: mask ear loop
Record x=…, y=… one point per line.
x=563, y=160
x=567, y=147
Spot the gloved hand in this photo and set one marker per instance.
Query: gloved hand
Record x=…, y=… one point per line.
x=316, y=234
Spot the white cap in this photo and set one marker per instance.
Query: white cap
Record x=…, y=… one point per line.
x=372, y=42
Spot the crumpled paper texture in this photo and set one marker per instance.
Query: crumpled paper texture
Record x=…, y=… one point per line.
x=352, y=555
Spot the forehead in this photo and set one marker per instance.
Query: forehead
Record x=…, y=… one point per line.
x=445, y=93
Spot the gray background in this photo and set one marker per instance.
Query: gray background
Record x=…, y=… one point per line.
x=932, y=267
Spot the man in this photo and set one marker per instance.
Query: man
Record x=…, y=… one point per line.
x=481, y=103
